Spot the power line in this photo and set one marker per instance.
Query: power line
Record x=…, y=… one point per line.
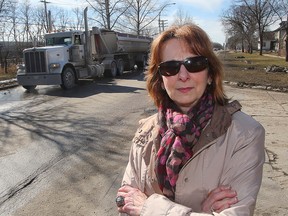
x=69, y=26
x=67, y=3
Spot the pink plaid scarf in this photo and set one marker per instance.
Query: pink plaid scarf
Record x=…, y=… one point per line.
x=179, y=132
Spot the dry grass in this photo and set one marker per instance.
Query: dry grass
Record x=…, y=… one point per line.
x=249, y=69
x=11, y=73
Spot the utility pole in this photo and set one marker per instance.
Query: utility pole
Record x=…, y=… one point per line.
x=160, y=22
x=46, y=14
x=50, y=22
x=164, y=23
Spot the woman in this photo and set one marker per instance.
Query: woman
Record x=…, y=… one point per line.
x=199, y=154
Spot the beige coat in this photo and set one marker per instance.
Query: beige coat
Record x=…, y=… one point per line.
x=230, y=152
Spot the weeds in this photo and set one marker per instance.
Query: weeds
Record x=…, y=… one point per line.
x=11, y=73
x=249, y=69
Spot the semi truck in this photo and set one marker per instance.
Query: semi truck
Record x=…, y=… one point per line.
x=73, y=55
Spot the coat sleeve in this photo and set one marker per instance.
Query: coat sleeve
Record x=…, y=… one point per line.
x=243, y=172
x=131, y=175
x=245, y=168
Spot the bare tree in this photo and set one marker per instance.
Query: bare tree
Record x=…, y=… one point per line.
x=282, y=13
x=108, y=12
x=6, y=27
x=264, y=14
x=182, y=17
x=3, y=7
x=40, y=24
x=26, y=18
x=240, y=24
x=62, y=20
x=140, y=15
x=125, y=15
x=4, y=16
x=78, y=12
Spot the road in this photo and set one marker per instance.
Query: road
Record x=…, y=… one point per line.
x=64, y=152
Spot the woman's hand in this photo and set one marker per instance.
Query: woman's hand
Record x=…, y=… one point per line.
x=219, y=199
x=134, y=200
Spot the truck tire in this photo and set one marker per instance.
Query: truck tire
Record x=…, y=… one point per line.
x=30, y=87
x=141, y=64
x=111, y=72
x=120, y=67
x=68, y=78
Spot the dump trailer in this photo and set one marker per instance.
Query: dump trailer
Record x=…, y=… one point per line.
x=119, y=51
x=73, y=55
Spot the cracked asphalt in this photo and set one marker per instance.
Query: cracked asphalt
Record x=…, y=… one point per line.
x=271, y=110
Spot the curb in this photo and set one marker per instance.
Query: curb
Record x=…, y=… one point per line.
x=256, y=86
x=6, y=84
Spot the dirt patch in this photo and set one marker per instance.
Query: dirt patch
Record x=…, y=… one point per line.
x=249, y=70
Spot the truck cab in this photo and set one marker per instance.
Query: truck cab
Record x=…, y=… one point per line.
x=60, y=62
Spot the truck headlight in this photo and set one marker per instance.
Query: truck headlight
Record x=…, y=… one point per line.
x=20, y=66
x=54, y=65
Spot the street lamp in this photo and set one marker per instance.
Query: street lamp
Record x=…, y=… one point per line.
x=159, y=21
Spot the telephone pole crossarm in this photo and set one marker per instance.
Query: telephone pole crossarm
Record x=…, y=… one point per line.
x=159, y=20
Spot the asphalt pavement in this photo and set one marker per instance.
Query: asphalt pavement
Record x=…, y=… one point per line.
x=270, y=108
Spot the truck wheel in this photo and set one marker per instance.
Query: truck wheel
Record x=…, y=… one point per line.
x=141, y=64
x=30, y=87
x=68, y=78
x=113, y=71
x=120, y=67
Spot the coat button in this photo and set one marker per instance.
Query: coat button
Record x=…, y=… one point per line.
x=186, y=179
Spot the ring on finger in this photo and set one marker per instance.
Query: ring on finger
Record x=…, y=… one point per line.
x=120, y=201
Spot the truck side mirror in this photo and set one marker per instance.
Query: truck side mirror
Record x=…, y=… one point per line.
x=34, y=42
x=77, y=40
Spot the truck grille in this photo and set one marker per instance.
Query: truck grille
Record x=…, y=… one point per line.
x=35, y=62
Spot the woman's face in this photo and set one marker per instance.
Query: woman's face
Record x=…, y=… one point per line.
x=184, y=88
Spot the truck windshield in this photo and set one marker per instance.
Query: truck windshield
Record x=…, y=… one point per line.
x=58, y=41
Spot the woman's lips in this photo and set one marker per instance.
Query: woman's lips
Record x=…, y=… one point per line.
x=185, y=90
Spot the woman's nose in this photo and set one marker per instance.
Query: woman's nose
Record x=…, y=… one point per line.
x=183, y=73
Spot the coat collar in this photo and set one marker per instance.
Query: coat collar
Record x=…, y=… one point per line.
x=148, y=132
x=218, y=125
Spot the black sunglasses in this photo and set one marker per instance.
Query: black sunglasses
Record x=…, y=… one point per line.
x=192, y=64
